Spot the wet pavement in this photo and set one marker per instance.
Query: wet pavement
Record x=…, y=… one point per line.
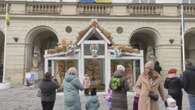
x=24, y=98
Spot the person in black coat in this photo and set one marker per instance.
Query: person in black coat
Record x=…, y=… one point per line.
x=188, y=83
x=48, y=88
x=174, y=86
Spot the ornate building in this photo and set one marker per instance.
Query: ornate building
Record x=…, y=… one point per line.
x=36, y=26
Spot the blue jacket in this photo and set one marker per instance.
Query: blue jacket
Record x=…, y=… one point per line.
x=72, y=85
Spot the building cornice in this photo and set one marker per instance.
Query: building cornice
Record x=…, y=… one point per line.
x=125, y=18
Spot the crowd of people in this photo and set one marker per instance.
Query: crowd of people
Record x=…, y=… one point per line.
x=149, y=89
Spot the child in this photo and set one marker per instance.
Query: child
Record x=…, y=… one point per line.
x=86, y=84
x=174, y=86
x=135, y=102
x=108, y=99
x=92, y=103
x=136, y=98
x=93, y=86
x=171, y=103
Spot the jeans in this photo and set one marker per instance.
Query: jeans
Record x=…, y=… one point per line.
x=191, y=101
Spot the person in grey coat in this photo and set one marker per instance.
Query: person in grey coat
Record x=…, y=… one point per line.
x=72, y=85
x=119, y=94
x=48, y=88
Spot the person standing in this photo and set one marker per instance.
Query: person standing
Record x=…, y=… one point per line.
x=72, y=85
x=119, y=86
x=174, y=86
x=92, y=103
x=150, y=86
x=86, y=84
x=188, y=83
x=48, y=88
x=93, y=86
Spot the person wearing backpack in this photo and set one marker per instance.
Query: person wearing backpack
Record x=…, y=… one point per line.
x=119, y=86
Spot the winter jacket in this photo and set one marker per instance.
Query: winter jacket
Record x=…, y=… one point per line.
x=189, y=80
x=92, y=103
x=119, y=96
x=48, y=90
x=174, y=85
x=72, y=86
x=144, y=84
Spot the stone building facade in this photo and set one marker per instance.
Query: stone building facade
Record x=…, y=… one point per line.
x=36, y=26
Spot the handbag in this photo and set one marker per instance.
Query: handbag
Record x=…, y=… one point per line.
x=39, y=93
x=154, y=96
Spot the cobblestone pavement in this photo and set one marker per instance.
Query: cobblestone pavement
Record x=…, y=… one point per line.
x=24, y=98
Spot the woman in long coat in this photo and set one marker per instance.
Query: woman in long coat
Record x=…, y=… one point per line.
x=72, y=85
x=150, y=80
x=119, y=95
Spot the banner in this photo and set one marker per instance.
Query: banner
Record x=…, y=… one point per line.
x=87, y=1
x=7, y=19
x=103, y=1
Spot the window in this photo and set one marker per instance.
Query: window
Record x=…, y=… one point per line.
x=188, y=1
x=143, y=1
x=192, y=1
x=185, y=1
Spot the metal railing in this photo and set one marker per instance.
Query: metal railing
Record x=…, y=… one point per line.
x=144, y=9
x=188, y=9
x=43, y=8
x=2, y=7
x=94, y=9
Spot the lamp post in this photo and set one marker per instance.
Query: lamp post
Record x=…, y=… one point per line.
x=182, y=36
x=5, y=42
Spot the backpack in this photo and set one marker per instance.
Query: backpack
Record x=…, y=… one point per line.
x=116, y=83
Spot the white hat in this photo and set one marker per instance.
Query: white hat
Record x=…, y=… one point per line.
x=120, y=67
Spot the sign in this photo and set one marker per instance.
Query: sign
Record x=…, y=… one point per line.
x=103, y=1
x=96, y=1
x=87, y=1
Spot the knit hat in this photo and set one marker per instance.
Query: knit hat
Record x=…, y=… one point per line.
x=149, y=64
x=120, y=67
x=172, y=71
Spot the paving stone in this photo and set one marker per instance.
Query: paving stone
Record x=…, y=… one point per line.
x=24, y=98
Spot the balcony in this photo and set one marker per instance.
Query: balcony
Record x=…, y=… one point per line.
x=43, y=8
x=2, y=7
x=145, y=9
x=94, y=9
x=189, y=10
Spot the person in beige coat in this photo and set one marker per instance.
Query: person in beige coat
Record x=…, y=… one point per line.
x=150, y=80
